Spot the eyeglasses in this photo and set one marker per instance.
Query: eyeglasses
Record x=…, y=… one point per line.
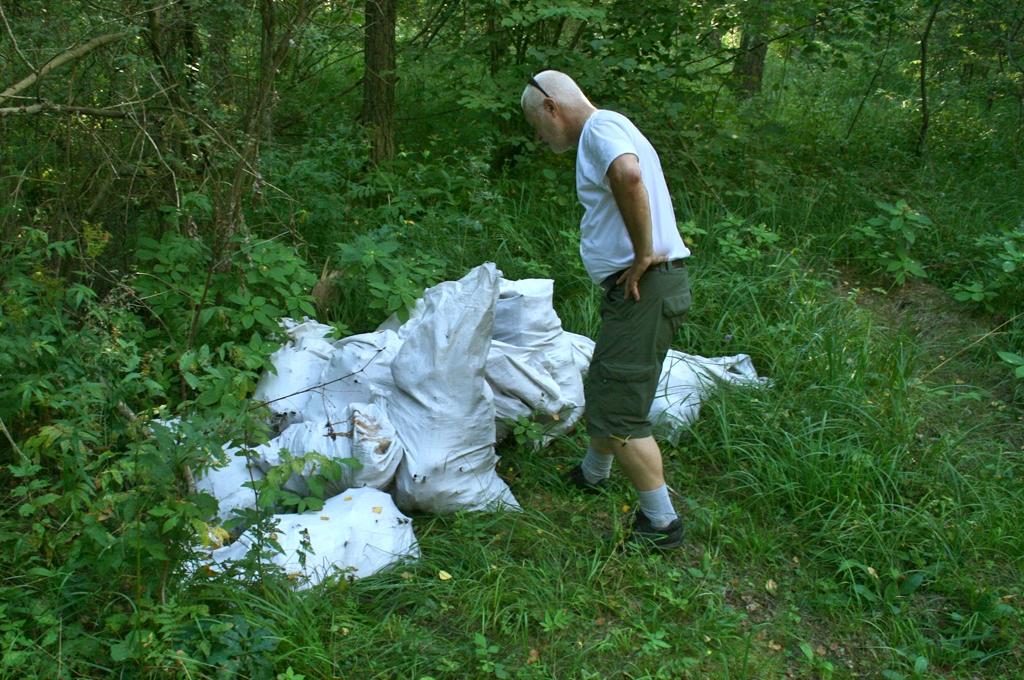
x=533, y=82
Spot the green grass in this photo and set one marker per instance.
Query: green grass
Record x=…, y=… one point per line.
x=855, y=517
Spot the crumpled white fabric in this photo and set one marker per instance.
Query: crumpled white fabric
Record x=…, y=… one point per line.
x=357, y=533
x=532, y=361
x=363, y=432
x=357, y=370
x=421, y=403
x=226, y=483
x=685, y=381
x=297, y=367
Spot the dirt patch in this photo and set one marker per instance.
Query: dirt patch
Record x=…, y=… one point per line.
x=957, y=349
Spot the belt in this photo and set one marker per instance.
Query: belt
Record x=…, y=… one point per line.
x=669, y=265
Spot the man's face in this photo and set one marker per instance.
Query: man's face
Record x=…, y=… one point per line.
x=549, y=127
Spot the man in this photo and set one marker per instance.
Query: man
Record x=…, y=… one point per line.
x=631, y=247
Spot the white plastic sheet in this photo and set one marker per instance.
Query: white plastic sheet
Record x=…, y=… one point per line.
x=357, y=533
x=359, y=368
x=522, y=387
x=420, y=405
x=582, y=351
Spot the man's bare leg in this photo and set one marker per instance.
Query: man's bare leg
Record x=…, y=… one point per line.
x=641, y=462
x=640, y=459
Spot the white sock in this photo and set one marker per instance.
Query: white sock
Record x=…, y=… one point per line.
x=657, y=506
x=596, y=466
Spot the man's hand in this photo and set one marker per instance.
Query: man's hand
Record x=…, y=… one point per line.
x=635, y=272
x=632, y=200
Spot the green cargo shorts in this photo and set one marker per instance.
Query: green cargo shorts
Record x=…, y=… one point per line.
x=631, y=348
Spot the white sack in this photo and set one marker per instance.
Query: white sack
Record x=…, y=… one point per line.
x=306, y=334
x=525, y=317
x=359, y=368
x=442, y=407
x=297, y=367
x=686, y=379
x=582, y=351
x=226, y=483
x=522, y=387
x=363, y=432
x=375, y=444
x=358, y=532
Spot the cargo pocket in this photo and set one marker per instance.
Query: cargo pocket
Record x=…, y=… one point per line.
x=619, y=396
x=673, y=312
x=676, y=306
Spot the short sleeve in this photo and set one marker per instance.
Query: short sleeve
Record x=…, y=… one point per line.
x=606, y=141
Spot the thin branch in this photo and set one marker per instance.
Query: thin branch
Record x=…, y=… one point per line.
x=50, y=107
x=871, y=85
x=10, y=439
x=63, y=58
x=984, y=336
x=781, y=36
x=13, y=41
x=441, y=7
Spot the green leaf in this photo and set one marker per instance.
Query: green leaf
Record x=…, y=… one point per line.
x=316, y=485
x=1011, y=358
x=99, y=534
x=864, y=592
x=211, y=395
x=911, y=583
x=122, y=651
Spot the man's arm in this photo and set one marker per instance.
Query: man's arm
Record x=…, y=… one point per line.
x=635, y=205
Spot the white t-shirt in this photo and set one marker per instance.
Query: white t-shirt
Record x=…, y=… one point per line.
x=604, y=241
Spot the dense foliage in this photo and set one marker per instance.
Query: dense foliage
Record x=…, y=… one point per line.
x=179, y=175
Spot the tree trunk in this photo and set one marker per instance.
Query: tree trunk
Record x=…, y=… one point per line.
x=278, y=34
x=748, y=68
x=379, y=78
x=923, y=132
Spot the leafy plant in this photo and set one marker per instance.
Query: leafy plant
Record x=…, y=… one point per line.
x=279, y=492
x=485, y=655
x=886, y=240
x=379, y=279
x=738, y=239
x=995, y=283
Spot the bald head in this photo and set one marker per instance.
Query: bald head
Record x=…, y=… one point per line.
x=559, y=87
x=558, y=113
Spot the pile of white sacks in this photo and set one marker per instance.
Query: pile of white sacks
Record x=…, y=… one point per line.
x=421, y=405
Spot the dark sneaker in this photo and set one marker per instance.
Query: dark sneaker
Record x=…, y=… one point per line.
x=644, y=535
x=574, y=477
